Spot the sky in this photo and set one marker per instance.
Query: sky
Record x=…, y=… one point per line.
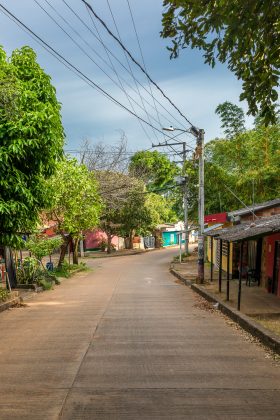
x=194, y=87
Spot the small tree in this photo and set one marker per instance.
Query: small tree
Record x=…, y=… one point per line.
x=41, y=247
x=232, y=119
x=76, y=204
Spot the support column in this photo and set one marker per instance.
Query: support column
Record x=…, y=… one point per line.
x=212, y=262
x=240, y=276
x=220, y=265
x=228, y=260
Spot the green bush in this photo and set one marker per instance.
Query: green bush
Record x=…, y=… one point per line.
x=32, y=273
x=4, y=294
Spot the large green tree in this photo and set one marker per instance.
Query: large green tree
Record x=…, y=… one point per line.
x=154, y=168
x=76, y=203
x=31, y=142
x=243, y=34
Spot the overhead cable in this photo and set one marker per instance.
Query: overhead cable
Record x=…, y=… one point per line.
x=133, y=59
x=121, y=64
x=68, y=64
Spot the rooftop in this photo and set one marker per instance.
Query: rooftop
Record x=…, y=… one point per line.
x=255, y=207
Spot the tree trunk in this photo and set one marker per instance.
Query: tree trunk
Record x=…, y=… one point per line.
x=75, y=251
x=109, y=241
x=10, y=266
x=131, y=236
x=63, y=250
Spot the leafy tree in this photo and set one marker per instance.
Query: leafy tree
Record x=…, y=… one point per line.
x=76, y=203
x=154, y=168
x=135, y=216
x=250, y=161
x=243, y=34
x=41, y=247
x=114, y=188
x=31, y=142
x=232, y=119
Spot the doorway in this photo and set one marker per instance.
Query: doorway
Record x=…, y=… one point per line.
x=276, y=268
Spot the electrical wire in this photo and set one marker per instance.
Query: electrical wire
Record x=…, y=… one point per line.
x=142, y=56
x=68, y=64
x=133, y=59
x=122, y=65
x=82, y=49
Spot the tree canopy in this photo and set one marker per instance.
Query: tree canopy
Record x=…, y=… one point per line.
x=76, y=203
x=31, y=142
x=154, y=168
x=232, y=118
x=243, y=34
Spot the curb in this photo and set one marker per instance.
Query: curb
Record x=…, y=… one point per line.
x=265, y=336
x=123, y=255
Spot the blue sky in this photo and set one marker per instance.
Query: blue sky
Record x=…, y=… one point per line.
x=194, y=87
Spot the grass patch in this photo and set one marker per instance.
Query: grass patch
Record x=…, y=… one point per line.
x=271, y=324
x=66, y=270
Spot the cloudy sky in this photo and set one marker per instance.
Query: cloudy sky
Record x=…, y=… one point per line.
x=194, y=87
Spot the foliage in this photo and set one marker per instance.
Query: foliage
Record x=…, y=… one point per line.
x=76, y=203
x=31, y=142
x=243, y=34
x=41, y=246
x=4, y=294
x=67, y=269
x=160, y=209
x=248, y=165
x=232, y=119
x=31, y=273
x=154, y=168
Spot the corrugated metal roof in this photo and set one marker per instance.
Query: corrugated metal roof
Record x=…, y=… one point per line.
x=213, y=227
x=256, y=207
x=249, y=230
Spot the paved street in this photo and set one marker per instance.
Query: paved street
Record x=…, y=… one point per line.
x=126, y=341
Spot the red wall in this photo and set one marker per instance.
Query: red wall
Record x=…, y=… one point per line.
x=216, y=217
x=270, y=247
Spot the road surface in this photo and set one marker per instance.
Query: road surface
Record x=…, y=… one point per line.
x=126, y=341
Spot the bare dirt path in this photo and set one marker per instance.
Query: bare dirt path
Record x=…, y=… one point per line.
x=127, y=341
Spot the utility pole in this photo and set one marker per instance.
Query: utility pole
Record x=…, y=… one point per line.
x=200, y=152
x=185, y=188
x=185, y=202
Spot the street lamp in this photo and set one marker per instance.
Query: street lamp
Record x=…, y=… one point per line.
x=199, y=135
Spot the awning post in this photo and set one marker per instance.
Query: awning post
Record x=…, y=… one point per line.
x=212, y=262
x=228, y=258
x=240, y=275
x=220, y=265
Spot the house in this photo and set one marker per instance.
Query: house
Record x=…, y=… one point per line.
x=169, y=233
x=254, y=251
x=93, y=240
x=254, y=247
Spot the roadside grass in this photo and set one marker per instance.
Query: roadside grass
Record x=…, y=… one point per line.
x=67, y=270
x=272, y=324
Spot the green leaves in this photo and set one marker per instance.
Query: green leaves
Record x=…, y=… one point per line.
x=243, y=34
x=76, y=204
x=31, y=142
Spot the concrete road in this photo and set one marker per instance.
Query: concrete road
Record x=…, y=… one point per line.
x=127, y=341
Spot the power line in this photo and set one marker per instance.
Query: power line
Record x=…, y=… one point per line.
x=142, y=56
x=124, y=67
x=133, y=59
x=68, y=64
x=109, y=58
x=82, y=49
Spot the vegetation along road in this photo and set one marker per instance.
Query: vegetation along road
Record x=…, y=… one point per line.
x=127, y=341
